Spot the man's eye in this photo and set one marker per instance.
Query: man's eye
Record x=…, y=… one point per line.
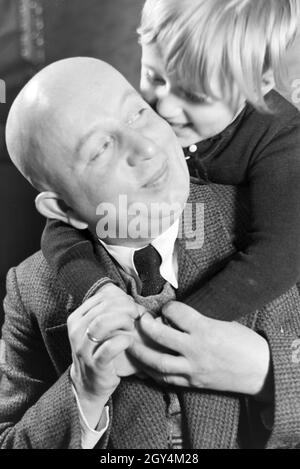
x=154, y=79
x=135, y=117
x=105, y=146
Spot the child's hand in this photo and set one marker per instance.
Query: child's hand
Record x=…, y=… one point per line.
x=202, y=352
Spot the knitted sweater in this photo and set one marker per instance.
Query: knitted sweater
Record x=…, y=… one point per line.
x=176, y=437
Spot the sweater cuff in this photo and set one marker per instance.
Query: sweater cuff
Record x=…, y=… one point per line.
x=97, y=285
x=90, y=436
x=81, y=274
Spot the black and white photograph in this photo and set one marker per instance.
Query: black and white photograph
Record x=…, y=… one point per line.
x=150, y=227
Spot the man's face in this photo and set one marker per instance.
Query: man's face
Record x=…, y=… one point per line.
x=193, y=117
x=118, y=146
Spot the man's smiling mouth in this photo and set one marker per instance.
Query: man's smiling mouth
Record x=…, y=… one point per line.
x=158, y=177
x=178, y=128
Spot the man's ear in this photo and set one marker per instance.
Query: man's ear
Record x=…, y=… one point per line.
x=268, y=81
x=50, y=205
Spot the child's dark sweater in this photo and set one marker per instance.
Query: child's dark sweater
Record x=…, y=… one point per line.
x=258, y=150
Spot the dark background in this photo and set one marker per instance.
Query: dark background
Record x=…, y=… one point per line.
x=98, y=28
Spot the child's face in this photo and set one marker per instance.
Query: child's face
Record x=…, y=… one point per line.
x=192, y=117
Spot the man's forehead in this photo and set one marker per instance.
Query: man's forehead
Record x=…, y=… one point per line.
x=120, y=102
x=109, y=96
x=94, y=100
x=94, y=82
x=120, y=97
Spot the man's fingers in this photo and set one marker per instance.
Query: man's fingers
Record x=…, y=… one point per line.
x=158, y=361
x=103, y=327
x=111, y=348
x=162, y=334
x=82, y=323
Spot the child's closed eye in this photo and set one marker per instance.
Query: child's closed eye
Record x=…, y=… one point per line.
x=154, y=79
x=191, y=97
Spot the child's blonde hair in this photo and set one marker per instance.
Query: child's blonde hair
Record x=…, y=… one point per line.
x=236, y=41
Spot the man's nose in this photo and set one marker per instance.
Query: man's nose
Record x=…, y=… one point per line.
x=140, y=149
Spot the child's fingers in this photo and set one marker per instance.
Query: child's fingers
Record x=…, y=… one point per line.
x=86, y=306
x=168, y=379
x=163, y=335
x=158, y=361
x=110, y=293
x=127, y=310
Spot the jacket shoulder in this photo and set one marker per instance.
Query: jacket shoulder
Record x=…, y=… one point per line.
x=230, y=204
x=39, y=290
x=219, y=193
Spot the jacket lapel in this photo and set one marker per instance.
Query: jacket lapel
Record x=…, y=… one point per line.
x=139, y=415
x=211, y=418
x=198, y=260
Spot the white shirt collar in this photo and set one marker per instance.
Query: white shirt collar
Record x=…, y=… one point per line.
x=164, y=244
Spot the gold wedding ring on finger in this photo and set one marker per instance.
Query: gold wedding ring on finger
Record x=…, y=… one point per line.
x=92, y=338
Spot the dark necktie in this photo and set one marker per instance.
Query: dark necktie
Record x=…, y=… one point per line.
x=147, y=262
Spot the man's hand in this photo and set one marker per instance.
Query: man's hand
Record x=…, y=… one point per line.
x=201, y=352
x=109, y=318
x=124, y=364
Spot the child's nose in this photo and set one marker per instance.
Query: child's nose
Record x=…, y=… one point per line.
x=162, y=91
x=168, y=106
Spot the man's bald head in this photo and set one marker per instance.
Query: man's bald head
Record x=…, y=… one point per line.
x=38, y=121
x=83, y=136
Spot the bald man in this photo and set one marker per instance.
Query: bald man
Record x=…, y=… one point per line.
x=82, y=136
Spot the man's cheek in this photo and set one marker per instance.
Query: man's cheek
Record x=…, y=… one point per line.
x=148, y=93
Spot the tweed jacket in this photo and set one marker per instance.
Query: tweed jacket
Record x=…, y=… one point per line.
x=37, y=405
